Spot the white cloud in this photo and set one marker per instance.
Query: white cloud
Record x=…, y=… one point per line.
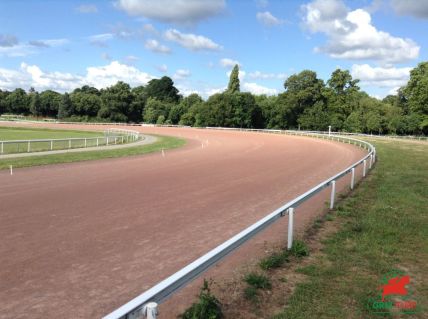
x=155, y=46
x=351, y=34
x=229, y=63
x=19, y=50
x=32, y=76
x=130, y=59
x=181, y=74
x=109, y=74
x=416, y=8
x=8, y=40
x=48, y=43
x=106, y=56
x=150, y=29
x=87, y=8
x=172, y=11
x=258, y=89
x=191, y=41
x=267, y=76
x=268, y=19
x=389, y=77
x=100, y=39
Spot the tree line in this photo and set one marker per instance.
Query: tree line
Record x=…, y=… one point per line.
x=307, y=102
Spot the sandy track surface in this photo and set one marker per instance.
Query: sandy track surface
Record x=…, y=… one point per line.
x=78, y=240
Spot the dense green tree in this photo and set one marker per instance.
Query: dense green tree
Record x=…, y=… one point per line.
x=65, y=108
x=85, y=104
x=3, y=104
x=156, y=111
x=162, y=89
x=234, y=85
x=17, y=102
x=116, y=101
x=49, y=103
x=35, y=108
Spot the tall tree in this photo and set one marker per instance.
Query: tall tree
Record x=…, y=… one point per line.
x=116, y=101
x=35, y=104
x=234, y=85
x=65, y=107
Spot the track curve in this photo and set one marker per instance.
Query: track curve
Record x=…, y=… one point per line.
x=80, y=239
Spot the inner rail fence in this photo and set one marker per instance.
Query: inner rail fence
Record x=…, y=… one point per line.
x=146, y=304
x=112, y=136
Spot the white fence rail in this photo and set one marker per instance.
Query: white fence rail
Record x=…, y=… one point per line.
x=112, y=137
x=145, y=305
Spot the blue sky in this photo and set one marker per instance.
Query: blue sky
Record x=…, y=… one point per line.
x=62, y=45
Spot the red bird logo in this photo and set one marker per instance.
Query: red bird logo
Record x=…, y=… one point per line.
x=395, y=286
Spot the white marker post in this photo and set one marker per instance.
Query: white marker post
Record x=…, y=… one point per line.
x=329, y=130
x=11, y=169
x=333, y=192
x=163, y=153
x=290, y=227
x=352, y=177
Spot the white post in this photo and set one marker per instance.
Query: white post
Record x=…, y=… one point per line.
x=364, y=168
x=122, y=139
x=69, y=143
x=97, y=141
x=371, y=161
x=290, y=227
x=2, y=147
x=329, y=130
x=51, y=145
x=107, y=140
x=85, y=142
x=150, y=310
x=11, y=169
x=333, y=191
x=28, y=147
x=115, y=140
x=352, y=177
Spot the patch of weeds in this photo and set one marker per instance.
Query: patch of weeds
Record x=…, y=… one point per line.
x=207, y=306
x=299, y=249
x=275, y=260
x=329, y=217
x=258, y=281
x=318, y=223
x=251, y=294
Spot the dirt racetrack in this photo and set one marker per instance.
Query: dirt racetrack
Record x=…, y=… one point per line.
x=78, y=240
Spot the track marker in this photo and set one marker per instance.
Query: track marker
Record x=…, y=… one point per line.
x=11, y=169
x=163, y=153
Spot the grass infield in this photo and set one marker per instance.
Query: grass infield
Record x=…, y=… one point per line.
x=162, y=142
x=381, y=227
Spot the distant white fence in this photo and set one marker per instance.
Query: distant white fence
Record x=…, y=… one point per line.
x=111, y=136
x=145, y=305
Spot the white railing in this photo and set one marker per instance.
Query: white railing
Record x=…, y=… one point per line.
x=112, y=137
x=145, y=305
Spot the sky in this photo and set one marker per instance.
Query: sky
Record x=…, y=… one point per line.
x=61, y=45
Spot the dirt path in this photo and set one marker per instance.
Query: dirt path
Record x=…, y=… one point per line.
x=78, y=240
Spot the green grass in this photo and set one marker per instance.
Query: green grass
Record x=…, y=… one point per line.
x=383, y=226
x=163, y=142
x=258, y=281
x=15, y=133
x=275, y=260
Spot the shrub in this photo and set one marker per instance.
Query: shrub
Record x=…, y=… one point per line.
x=299, y=249
x=258, y=281
x=275, y=260
x=207, y=306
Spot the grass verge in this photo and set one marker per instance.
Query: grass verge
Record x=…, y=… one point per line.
x=24, y=133
x=163, y=142
x=382, y=227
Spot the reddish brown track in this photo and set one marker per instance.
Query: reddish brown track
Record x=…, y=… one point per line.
x=78, y=240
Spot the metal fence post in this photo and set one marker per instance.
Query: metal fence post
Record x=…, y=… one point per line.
x=85, y=142
x=51, y=145
x=371, y=160
x=2, y=147
x=364, y=168
x=28, y=147
x=352, y=177
x=290, y=227
x=333, y=192
x=69, y=143
x=107, y=140
x=97, y=141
